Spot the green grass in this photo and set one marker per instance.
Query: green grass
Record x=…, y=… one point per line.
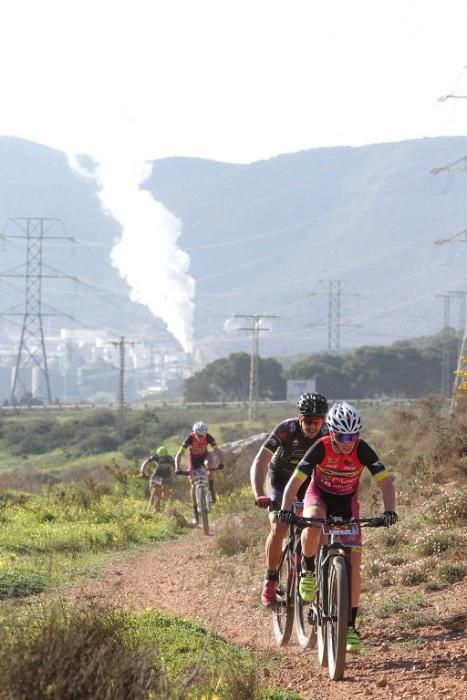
x=127, y=654
x=55, y=540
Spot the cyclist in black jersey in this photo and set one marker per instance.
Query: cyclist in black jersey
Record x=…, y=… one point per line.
x=275, y=463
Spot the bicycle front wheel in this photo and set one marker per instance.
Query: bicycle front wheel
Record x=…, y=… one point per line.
x=339, y=617
x=202, y=499
x=321, y=624
x=283, y=611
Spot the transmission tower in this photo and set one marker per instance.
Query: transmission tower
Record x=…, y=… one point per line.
x=334, y=323
x=255, y=330
x=461, y=296
x=445, y=374
x=32, y=351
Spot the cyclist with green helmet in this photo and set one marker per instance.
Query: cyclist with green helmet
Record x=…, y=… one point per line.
x=159, y=466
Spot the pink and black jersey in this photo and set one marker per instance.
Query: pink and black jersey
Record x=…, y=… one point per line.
x=337, y=473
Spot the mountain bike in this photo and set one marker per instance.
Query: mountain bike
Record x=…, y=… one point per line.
x=324, y=622
x=199, y=478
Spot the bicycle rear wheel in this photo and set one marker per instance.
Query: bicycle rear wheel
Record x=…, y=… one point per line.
x=339, y=614
x=283, y=611
x=305, y=617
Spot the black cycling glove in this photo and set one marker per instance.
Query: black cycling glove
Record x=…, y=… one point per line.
x=220, y=466
x=285, y=516
x=390, y=517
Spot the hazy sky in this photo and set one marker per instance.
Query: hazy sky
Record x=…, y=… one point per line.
x=233, y=80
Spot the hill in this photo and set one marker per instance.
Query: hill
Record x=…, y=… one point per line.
x=263, y=237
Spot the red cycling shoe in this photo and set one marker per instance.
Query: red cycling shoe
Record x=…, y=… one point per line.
x=268, y=594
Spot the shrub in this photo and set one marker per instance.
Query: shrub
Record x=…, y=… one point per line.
x=21, y=582
x=97, y=443
x=433, y=543
x=78, y=654
x=395, y=603
x=451, y=509
x=412, y=574
x=451, y=572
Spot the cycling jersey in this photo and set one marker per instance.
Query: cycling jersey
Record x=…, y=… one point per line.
x=163, y=467
x=198, y=446
x=288, y=445
x=338, y=473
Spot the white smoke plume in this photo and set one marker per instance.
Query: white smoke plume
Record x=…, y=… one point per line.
x=147, y=254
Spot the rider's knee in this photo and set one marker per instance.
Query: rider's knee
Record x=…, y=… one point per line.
x=278, y=529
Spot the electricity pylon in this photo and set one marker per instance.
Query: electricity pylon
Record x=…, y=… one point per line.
x=255, y=331
x=32, y=351
x=334, y=324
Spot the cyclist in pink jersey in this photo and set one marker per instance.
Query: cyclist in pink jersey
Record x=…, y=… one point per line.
x=335, y=463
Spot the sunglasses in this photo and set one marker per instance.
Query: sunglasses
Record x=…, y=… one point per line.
x=311, y=421
x=346, y=437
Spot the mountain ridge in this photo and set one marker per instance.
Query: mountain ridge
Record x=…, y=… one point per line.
x=266, y=237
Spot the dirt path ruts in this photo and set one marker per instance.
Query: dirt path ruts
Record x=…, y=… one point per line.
x=188, y=578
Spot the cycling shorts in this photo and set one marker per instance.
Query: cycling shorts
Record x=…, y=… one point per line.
x=335, y=504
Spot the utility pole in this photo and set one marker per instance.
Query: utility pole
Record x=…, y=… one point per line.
x=445, y=375
x=120, y=344
x=32, y=351
x=255, y=330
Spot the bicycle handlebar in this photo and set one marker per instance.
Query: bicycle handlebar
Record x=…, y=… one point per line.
x=185, y=472
x=375, y=521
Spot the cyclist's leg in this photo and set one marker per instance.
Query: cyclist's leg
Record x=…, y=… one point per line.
x=152, y=494
x=314, y=507
x=354, y=644
x=273, y=549
x=157, y=498
x=274, y=540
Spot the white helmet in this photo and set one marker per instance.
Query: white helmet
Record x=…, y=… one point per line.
x=344, y=418
x=200, y=428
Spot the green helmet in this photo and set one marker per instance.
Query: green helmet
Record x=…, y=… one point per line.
x=162, y=451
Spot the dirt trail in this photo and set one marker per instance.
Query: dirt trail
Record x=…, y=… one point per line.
x=189, y=579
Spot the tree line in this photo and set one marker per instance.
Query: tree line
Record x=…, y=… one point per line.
x=405, y=369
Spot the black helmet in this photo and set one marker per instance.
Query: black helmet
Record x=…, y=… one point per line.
x=312, y=405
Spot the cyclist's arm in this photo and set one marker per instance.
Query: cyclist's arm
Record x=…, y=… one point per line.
x=305, y=468
x=178, y=458
x=383, y=478
x=291, y=490
x=258, y=471
x=218, y=453
x=389, y=493
x=142, y=471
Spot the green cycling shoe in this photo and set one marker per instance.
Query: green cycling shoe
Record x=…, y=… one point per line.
x=307, y=586
x=354, y=643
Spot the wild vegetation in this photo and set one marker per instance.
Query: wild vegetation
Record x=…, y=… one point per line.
x=57, y=534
